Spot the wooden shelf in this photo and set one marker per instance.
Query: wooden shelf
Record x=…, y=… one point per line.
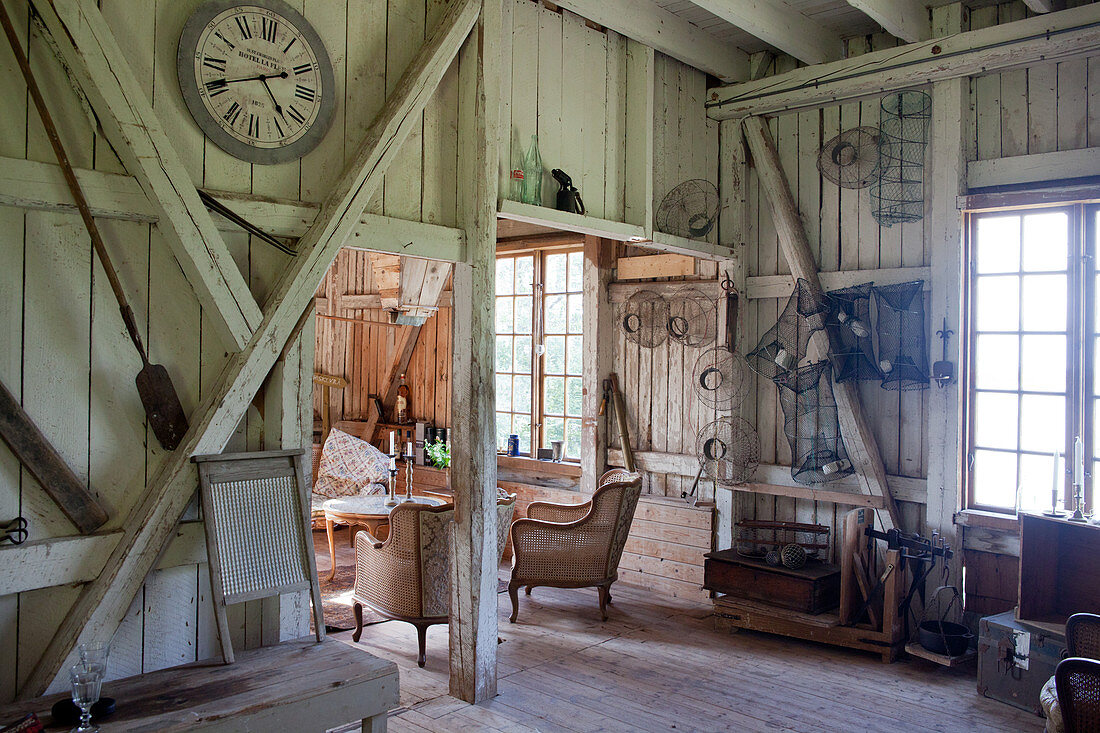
x=915, y=649
x=547, y=217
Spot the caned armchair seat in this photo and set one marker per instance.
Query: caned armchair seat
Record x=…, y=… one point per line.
x=408, y=577
x=1082, y=640
x=575, y=546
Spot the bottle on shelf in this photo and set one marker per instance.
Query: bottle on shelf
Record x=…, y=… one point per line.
x=532, y=174
x=402, y=402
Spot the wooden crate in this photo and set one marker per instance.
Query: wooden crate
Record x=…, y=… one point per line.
x=1059, y=575
x=812, y=589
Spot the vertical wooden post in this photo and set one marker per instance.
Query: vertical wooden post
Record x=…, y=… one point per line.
x=473, y=626
x=598, y=355
x=945, y=181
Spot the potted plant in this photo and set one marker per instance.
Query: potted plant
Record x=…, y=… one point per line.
x=439, y=453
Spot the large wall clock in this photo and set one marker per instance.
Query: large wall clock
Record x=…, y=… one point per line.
x=256, y=78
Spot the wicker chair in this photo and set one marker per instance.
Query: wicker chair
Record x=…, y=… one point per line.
x=1078, y=683
x=1082, y=640
x=575, y=545
x=408, y=577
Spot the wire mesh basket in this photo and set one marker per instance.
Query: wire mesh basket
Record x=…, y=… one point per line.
x=811, y=425
x=851, y=347
x=783, y=346
x=692, y=318
x=902, y=346
x=643, y=319
x=756, y=537
x=897, y=196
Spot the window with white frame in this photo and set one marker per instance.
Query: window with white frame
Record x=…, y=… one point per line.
x=1032, y=382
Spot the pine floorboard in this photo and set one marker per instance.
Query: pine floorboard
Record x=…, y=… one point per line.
x=658, y=665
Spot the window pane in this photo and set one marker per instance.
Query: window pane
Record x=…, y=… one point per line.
x=1046, y=241
x=524, y=314
x=523, y=354
x=573, y=439
x=504, y=353
x=1036, y=474
x=521, y=426
x=504, y=427
x=998, y=245
x=995, y=417
x=554, y=361
x=996, y=361
x=1044, y=364
x=555, y=314
x=554, y=276
x=997, y=303
x=573, y=392
x=1042, y=423
x=553, y=396
x=525, y=275
x=504, y=315
x=555, y=430
x=505, y=273
x=521, y=394
x=504, y=392
x=576, y=271
x=995, y=478
x=576, y=313
x=575, y=363
x=1044, y=302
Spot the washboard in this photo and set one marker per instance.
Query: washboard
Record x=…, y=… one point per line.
x=258, y=539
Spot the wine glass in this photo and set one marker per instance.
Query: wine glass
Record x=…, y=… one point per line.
x=86, y=681
x=95, y=653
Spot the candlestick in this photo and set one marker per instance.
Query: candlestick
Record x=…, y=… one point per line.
x=1078, y=462
x=409, y=477
x=1054, y=488
x=391, y=492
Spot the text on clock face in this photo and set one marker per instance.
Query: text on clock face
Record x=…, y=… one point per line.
x=258, y=77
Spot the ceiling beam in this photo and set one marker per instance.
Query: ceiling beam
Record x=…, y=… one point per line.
x=1048, y=37
x=906, y=19
x=93, y=58
x=103, y=602
x=647, y=22
x=1040, y=6
x=779, y=25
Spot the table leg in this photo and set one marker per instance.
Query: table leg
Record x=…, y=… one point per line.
x=331, y=547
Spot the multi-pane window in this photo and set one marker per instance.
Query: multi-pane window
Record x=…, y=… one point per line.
x=1032, y=283
x=539, y=349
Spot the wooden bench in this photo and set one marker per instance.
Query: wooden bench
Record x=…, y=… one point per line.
x=294, y=686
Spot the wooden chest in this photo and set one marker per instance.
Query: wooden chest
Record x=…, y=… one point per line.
x=813, y=589
x=1016, y=659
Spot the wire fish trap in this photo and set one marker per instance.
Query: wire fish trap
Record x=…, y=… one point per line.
x=849, y=328
x=691, y=318
x=897, y=197
x=721, y=379
x=643, y=319
x=812, y=426
x=729, y=451
x=783, y=346
x=902, y=347
x=756, y=537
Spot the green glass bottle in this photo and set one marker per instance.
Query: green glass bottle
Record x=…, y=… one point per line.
x=532, y=174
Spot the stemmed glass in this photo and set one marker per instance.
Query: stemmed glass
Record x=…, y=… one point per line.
x=86, y=681
x=95, y=652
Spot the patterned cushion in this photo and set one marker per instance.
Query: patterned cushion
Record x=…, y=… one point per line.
x=350, y=467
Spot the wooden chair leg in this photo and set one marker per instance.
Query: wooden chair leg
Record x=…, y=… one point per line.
x=358, y=608
x=513, y=593
x=329, y=529
x=603, y=589
x=527, y=590
x=422, y=642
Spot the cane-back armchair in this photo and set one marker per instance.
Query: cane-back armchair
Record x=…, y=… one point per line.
x=1082, y=640
x=575, y=545
x=408, y=577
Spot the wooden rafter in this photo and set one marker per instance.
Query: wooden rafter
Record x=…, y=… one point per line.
x=93, y=57
x=776, y=23
x=906, y=19
x=103, y=602
x=858, y=439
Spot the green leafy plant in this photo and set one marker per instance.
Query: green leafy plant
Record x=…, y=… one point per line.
x=439, y=453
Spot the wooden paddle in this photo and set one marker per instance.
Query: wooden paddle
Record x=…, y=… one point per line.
x=158, y=395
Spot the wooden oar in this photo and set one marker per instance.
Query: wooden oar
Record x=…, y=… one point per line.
x=158, y=395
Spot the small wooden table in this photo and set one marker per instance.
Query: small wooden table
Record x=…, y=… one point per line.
x=293, y=686
x=368, y=512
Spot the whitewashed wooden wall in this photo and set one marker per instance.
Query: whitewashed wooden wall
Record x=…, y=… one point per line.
x=63, y=350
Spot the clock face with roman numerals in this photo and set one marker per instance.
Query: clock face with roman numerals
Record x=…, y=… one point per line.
x=256, y=78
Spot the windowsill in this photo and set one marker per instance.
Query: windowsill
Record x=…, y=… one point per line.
x=987, y=520
x=523, y=463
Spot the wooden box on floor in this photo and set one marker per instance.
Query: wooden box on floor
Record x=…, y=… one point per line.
x=811, y=589
x=1001, y=673
x=1059, y=575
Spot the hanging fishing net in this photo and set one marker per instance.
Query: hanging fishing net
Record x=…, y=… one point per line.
x=784, y=345
x=897, y=196
x=692, y=319
x=902, y=346
x=851, y=347
x=811, y=426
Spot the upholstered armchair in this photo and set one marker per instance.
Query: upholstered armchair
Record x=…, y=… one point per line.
x=1078, y=681
x=408, y=577
x=575, y=545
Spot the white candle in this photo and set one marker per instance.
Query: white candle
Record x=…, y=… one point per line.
x=393, y=443
x=409, y=450
x=1078, y=462
x=1054, y=483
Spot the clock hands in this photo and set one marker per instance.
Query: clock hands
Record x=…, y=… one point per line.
x=274, y=101
x=261, y=77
